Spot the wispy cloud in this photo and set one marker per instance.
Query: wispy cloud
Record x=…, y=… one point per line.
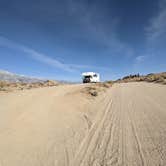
x=140, y=58
x=99, y=27
x=36, y=55
x=86, y=20
x=83, y=67
x=155, y=36
x=45, y=59
x=157, y=27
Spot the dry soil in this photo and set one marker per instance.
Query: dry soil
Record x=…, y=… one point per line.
x=63, y=126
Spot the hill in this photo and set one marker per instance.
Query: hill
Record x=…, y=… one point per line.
x=152, y=77
x=15, y=78
x=10, y=81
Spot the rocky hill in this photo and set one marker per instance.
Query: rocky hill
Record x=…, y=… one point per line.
x=10, y=82
x=153, y=77
x=15, y=78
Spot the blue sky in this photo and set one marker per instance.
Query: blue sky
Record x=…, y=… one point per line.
x=59, y=39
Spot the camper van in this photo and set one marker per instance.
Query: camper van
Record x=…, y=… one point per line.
x=90, y=77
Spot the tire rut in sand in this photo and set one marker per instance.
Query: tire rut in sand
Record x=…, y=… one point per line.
x=136, y=137
x=93, y=147
x=152, y=126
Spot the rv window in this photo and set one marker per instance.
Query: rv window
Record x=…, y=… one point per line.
x=87, y=76
x=95, y=75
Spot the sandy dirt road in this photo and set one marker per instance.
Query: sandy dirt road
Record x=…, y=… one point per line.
x=125, y=126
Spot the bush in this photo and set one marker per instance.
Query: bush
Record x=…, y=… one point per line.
x=94, y=93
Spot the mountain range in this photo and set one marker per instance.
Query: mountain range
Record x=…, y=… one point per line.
x=16, y=78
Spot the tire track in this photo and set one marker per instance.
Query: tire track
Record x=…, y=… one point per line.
x=150, y=117
x=90, y=143
x=123, y=135
x=136, y=137
x=146, y=128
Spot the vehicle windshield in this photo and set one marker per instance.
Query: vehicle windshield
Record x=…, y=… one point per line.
x=87, y=77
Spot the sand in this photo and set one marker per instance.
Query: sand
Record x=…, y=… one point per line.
x=63, y=126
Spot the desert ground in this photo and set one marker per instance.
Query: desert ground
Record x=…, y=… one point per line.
x=124, y=125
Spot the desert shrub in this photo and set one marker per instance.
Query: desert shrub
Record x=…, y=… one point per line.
x=3, y=84
x=107, y=85
x=94, y=93
x=160, y=80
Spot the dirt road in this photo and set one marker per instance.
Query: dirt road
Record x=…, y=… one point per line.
x=125, y=126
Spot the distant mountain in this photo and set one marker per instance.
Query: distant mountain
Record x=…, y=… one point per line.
x=11, y=77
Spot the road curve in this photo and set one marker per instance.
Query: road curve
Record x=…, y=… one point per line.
x=131, y=130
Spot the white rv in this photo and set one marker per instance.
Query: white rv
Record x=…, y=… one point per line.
x=90, y=77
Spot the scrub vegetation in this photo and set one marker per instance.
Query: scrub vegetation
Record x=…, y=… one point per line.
x=152, y=77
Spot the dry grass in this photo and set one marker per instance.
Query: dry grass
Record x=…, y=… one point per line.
x=6, y=86
x=156, y=78
x=95, y=89
x=3, y=85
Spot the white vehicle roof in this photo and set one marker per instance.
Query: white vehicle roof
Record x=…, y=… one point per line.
x=89, y=73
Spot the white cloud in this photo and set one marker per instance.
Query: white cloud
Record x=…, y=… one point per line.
x=155, y=33
x=46, y=59
x=91, y=22
x=157, y=27
x=100, y=28
x=35, y=55
x=140, y=58
x=77, y=66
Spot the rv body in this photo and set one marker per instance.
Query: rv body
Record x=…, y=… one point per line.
x=90, y=77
